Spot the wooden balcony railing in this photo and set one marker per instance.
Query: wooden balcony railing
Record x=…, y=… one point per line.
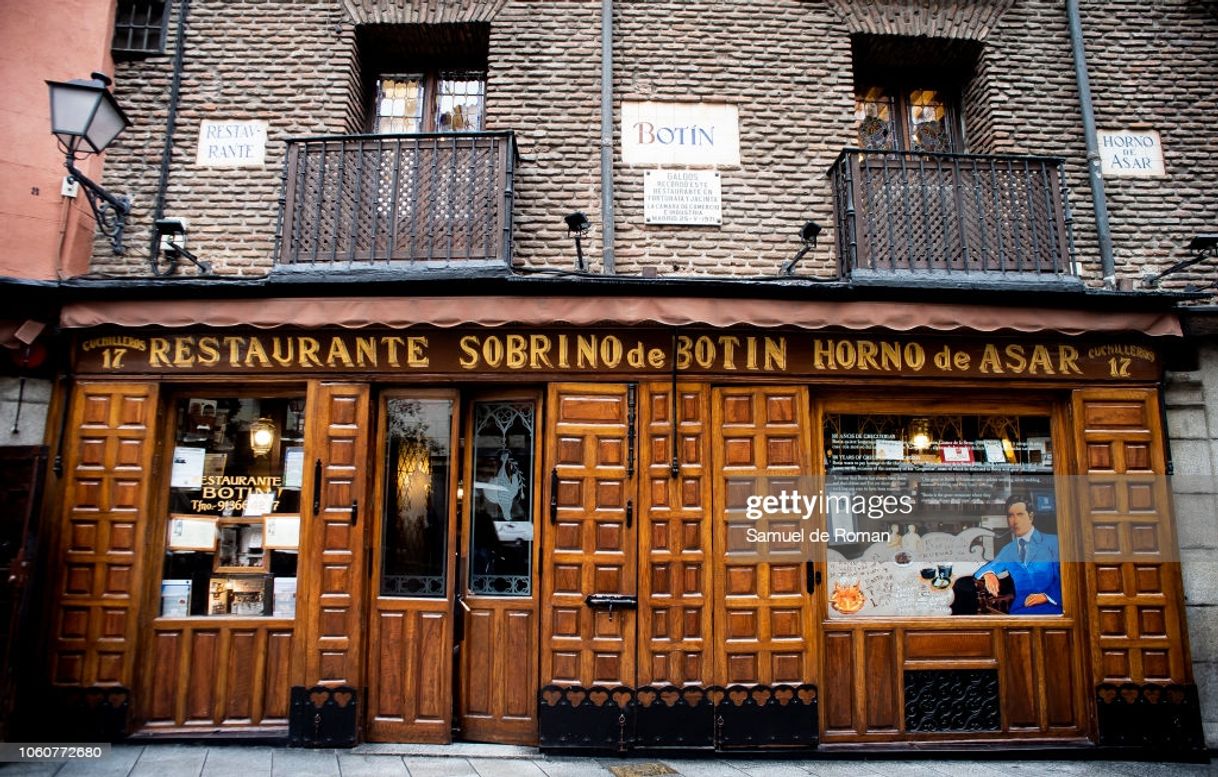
x=964, y=217
x=395, y=201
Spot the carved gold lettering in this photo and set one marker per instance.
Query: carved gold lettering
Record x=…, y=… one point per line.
x=704, y=352
x=539, y=347
x=655, y=358
x=283, y=350
x=636, y=357
x=492, y=351
x=684, y=355
x=183, y=351
x=915, y=356
x=1040, y=361
x=1016, y=361
x=990, y=361
x=890, y=356
x=233, y=344
x=729, y=343
x=309, y=347
x=256, y=352
x=867, y=352
x=845, y=354
x=750, y=354
x=775, y=354
x=338, y=353
x=562, y=353
x=158, y=352
x=1067, y=360
x=822, y=354
x=469, y=352
x=516, y=355
x=416, y=351
x=392, y=343
x=585, y=351
x=209, y=352
x=365, y=351
x=611, y=352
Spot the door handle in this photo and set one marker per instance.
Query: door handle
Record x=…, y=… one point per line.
x=629, y=513
x=317, y=487
x=354, y=511
x=812, y=576
x=554, y=496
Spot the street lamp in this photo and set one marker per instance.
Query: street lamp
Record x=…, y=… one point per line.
x=86, y=118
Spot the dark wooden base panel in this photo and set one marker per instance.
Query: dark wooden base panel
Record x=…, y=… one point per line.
x=621, y=719
x=95, y=714
x=323, y=716
x=1151, y=716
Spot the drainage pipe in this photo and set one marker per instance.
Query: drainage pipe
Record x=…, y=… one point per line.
x=171, y=123
x=1104, y=233
x=607, y=266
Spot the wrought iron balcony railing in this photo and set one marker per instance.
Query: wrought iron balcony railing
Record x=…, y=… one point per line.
x=951, y=217
x=355, y=202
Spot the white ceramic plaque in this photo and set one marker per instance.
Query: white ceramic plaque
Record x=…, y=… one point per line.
x=682, y=197
x=684, y=133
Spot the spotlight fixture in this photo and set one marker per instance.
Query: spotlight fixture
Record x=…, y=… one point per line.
x=807, y=235
x=578, y=225
x=1203, y=246
x=171, y=240
x=86, y=118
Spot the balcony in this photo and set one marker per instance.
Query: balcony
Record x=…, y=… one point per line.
x=397, y=202
x=951, y=219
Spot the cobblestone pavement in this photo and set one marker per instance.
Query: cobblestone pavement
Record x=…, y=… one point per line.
x=165, y=760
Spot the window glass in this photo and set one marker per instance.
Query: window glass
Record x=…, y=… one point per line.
x=874, y=119
x=928, y=128
x=415, y=537
x=459, y=102
x=139, y=28
x=232, y=534
x=399, y=104
x=970, y=525
x=501, y=542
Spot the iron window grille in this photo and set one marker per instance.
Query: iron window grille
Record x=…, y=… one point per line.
x=139, y=28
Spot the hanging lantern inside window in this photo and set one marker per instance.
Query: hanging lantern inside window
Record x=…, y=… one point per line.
x=919, y=433
x=262, y=436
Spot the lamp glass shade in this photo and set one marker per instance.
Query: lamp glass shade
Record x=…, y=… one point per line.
x=85, y=110
x=262, y=436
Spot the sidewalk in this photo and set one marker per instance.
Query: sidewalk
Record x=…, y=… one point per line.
x=500, y=761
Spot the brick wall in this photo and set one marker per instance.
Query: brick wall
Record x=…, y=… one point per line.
x=786, y=65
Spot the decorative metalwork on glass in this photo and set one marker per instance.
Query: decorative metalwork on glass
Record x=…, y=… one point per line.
x=928, y=127
x=874, y=119
x=416, y=501
x=501, y=539
x=412, y=585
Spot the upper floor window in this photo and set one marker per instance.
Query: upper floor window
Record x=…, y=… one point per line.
x=139, y=28
x=437, y=101
x=905, y=119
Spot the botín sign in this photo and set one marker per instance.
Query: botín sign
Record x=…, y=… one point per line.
x=647, y=352
x=680, y=134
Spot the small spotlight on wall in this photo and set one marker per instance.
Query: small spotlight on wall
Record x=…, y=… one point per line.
x=171, y=240
x=578, y=225
x=807, y=235
x=1202, y=247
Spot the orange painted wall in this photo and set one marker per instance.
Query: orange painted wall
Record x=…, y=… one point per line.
x=42, y=234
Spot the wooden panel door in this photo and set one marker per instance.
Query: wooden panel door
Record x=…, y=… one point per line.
x=333, y=548
x=590, y=543
x=1133, y=583
x=410, y=634
x=675, y=601
x=763, y=612
x=99, y=558
x=502, y=501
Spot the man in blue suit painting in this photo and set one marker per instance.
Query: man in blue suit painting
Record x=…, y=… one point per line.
x=1032, y=562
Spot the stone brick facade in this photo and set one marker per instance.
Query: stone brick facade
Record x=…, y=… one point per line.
x=786, y=65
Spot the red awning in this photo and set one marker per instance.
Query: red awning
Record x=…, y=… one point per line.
x=496, y=311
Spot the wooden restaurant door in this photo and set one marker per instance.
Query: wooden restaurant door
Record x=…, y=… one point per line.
x=656, y=630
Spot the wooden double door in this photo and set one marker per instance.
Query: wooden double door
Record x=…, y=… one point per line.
x=646, y=583
x=632, y=576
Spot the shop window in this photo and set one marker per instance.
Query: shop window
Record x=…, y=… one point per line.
x=935, y=515
x=906, y=119
x=415, y=523
x=233, y=529
x=443, y=101
x=501, y=542
x=139, y=28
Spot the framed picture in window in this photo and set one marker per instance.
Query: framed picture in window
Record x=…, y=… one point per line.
x=282, y=531
x=191, y=532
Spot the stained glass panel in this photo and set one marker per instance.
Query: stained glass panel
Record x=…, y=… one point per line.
x=928, y=127
x=501, y=545
x=874, y=120
x=399, y=104
x=460, y=101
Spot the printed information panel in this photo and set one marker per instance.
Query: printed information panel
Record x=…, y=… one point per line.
x=682, y=197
